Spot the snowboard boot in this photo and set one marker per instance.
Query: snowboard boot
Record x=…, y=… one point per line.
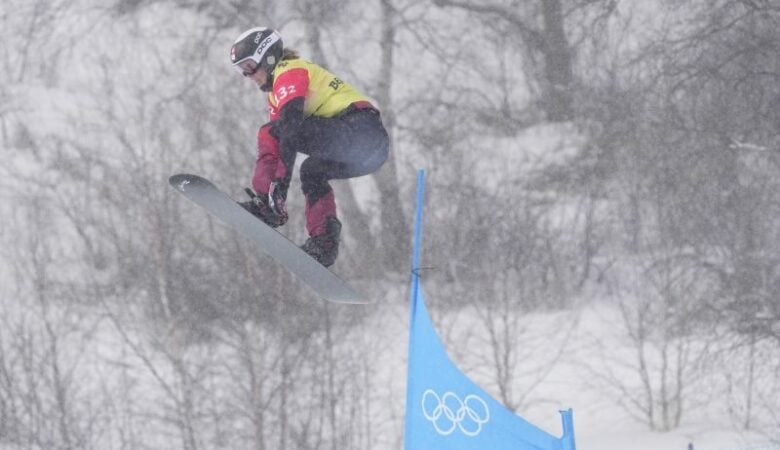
x=325, y=247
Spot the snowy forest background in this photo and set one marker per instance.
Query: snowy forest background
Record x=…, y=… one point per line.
x=601, y=224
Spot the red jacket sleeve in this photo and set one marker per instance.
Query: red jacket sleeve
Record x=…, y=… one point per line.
x=274, y=159
x=267, y=162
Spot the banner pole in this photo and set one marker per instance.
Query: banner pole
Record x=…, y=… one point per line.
x=414, y=295
x=418, y=224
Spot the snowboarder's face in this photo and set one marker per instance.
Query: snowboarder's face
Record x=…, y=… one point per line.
x=259, y=77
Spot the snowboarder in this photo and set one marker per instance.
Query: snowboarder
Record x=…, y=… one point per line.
x=314, y=113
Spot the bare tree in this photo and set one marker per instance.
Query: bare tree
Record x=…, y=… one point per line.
x=43, y=351
x=655, y=367
x=541, y=30
x=716, y=120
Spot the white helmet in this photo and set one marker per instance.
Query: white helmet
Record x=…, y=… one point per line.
x=256, y=49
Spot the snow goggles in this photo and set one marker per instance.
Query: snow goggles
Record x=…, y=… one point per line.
x=247, y=67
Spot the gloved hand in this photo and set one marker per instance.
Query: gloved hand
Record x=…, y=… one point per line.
x=259, y=206
x=277, y=197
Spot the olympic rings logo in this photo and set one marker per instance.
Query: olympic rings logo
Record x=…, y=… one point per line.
x=449, y=412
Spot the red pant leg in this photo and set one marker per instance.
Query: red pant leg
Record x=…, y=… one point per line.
x=318, y=209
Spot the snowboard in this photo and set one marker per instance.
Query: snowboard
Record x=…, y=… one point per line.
x=319, y=278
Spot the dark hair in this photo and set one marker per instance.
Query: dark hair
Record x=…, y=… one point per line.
x=290, y=54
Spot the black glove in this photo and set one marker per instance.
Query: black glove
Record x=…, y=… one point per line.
x=259, y=206
x=277, y=197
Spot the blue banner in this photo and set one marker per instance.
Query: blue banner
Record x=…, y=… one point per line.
x=445, y=410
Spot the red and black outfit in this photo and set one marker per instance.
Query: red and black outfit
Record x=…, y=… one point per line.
x=314, y=113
